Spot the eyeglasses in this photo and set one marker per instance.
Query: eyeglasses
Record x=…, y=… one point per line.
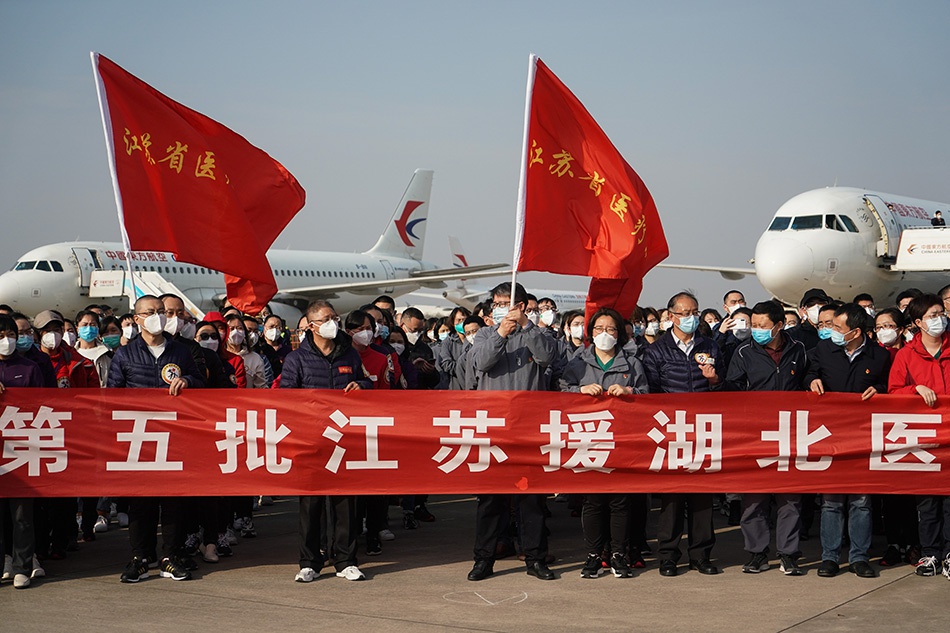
x=501, y=304
x=609, y=330
x=686, y=314
x=322, y=321
x=209, y=335
x=535, y=311
x=878, y=328
x=149, y=313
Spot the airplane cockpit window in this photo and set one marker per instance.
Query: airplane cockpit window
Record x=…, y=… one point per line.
x=25, y=266
x=779, y=224
x=831, y=222
x=56, y=266
x=807, y=222
x=43, y=266
x=848, y=222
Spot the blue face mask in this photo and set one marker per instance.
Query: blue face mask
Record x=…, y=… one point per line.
x=112, y=341
x=837, y=338
x=24, y=343
x=459, y=327
x=762, y=336
x=88, y=333
x=689, y=324
x=638, y=329
x=498, y=314
x=384, y=332
x=824, y=333
x=443, y=336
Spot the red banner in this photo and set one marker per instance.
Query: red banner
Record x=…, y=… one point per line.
x=144, y=442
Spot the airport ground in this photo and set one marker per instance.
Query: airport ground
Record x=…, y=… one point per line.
x=419, y=584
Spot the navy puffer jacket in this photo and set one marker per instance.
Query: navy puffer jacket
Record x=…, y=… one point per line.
x=307, y=368
x=134, y=366
x=669, y=370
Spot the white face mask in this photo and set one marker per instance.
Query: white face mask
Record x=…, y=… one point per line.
x=534, y=317
x=605, y=341
x=652, y=328
x=7, y=345
x=172, y=325
x=236, y=337
x=272, y=334
x=812, y=314
x=399, y=348
x=470, y=338
x=666, y=325
x=936, y=326
x=734, y=307
x=188, y=329
x=412, y=337
x=130, y=332
x=363, y=337
x=70, y=339
x=887, y=337
x=328, y=330
x=154, y=324
x=211, y=343
x=252, y=338
x=577, y=332
x=908, y=336
x=871, y=311
x=51, y=340
x=547, y=317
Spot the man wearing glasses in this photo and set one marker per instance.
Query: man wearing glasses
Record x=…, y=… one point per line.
x=684, y=362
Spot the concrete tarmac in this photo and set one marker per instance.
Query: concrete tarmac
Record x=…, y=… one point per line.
x=419, y=584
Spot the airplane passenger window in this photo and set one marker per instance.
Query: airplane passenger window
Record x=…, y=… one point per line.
x=25, y=266
x=779, y=224
x=57, y=266
x=831, y=222
x=848, y=222
x=806, y=222
x=43, y=266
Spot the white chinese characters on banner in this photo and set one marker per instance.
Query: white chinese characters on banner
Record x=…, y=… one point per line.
x=372, y=425
x=237, y=433
x=463, y=431
x=589, y=436
x=692, y=445
x=139, y=436
x=804, y=439
x=903, y=439
x=30, y=440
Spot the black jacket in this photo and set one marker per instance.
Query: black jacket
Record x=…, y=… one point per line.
x=669, y=370
x=134, y=365
x=830, y=363
x=752, y=368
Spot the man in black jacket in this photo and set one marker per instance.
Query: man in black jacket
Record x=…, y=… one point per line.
x=849, y=361
x=807, y=329
x=771, y=361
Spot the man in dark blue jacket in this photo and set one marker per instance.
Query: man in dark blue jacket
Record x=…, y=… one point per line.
x=848, y=361
x=679, y=362
x=326, y=360
x=149, y=361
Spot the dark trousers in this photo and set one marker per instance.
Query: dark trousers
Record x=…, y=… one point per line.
x=698, y=512
x=54, y=523
x=317, y=512
x=492, y=515
x=637, y=522
x=21, y=542
x=933, y=514
x=375, y=508
x=604, y=514
x=900, y=519
x=143, y=525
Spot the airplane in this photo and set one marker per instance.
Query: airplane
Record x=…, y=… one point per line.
x=848, y=240
x=71, y=275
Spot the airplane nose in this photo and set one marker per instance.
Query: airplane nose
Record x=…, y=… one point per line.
x=784, y=267
x=9, y=290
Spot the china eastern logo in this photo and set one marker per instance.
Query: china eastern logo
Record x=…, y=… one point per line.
x=406, y=227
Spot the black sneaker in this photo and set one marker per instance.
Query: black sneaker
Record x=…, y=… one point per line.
x=758, y=563
x=136, y=570
x=593, y=567
x=891, y=557
x=173, y=568
x=789, y=567
x=422, y=513
x=247, y=528
x=188, y=562
x=373, y=547
x=618, y=564
x=409, y=520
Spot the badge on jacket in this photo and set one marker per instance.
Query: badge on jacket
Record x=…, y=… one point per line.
x=170, y=372
x=702, y=358
x=346, y=369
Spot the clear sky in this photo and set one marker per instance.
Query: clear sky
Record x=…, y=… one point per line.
x=725, y=109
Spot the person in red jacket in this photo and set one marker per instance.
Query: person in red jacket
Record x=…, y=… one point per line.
x=923, y=367
x=240, y=374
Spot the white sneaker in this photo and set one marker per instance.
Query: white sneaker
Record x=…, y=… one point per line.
x=351, y=573
x=7, y=568
x=38, y=571
x=102, y=524
x=232, y=537
x=21, y=581
x=946, y=567
x=238, y=524
x=387, y=535
x=123, y=518
x=307, y=574
x=209, y=552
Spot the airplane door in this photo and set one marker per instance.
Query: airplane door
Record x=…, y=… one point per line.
x=390, y=274
x=890, y=230
x=87, y=261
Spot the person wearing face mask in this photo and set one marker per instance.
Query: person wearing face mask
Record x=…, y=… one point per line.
x=666, y=324
x=547, y=316
x=151, y=360
x=904, y=297
x=275, y=343
x=889, y=326
x=511, y=355
x=233, y=364
x=709, y=320
x=21, y=565
x=922, y=367
x=464, y=368
x=573, y=339
x=70, y=336
x=110, y=331
x=397, y=341
x=739, y=333
x=180, y=325
x=27, y=348
x=414, y=326
x=129, y=329
x=49, y=326
x=451, y=350
x=731, y=301
x=849, y=362
x=683, y=362
x=256, y=369
x=651, y=326
x=326, y=360
x=606, y=368
x=866, y=302
x=809, y=307
x=92, y=358
x=771, y=361
x=791, y=318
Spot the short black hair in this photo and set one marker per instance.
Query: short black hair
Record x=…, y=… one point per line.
x=678, y=296
x=474, y=319
x=622, y=337
x=726, y=296
x=919, y=305
x=863, y=297
x=8, y=324
x=856, y=317
x=530, y=297
x=899, y=318
x=84, y=313
x=772, y=309
x=357, y=318
x=504, y=290
x=910, y=293
x=413, y=313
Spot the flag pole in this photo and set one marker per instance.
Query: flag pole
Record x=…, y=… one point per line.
x=110, y=153
x=523, y=183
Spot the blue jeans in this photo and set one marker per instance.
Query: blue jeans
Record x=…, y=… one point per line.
x=859, y=526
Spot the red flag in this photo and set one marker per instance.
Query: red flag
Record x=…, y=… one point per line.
x=189, y=185
x=586, y=212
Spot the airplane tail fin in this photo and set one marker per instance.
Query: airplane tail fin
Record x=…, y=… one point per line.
x=458, y=257
x=406, y=232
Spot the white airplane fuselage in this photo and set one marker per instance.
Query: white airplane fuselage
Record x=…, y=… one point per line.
x=843, y=240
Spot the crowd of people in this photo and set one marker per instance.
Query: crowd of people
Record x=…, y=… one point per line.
x=513, y=341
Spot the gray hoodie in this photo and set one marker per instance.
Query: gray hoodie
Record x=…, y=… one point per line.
x=515, y=363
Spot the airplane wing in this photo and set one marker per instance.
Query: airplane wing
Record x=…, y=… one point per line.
x=426, y=278
x=732, y=274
